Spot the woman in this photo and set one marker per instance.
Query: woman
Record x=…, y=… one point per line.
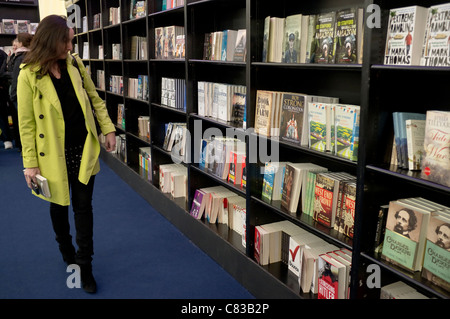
x=59, y=137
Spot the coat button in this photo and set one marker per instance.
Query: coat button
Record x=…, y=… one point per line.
x=41, y=116
x=41, y=135
x=40, y=96
x=42, y=153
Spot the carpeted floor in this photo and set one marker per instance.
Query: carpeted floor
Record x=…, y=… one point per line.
x=138, y=253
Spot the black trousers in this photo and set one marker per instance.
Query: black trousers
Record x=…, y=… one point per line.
x=83, y=214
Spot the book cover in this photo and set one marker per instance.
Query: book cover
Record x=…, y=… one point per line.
x=347, y=36
x=292, y=117
x=436, y=50
x=292, y=38
x=331, y=278
x=436, y=163
x=325, y=37
x=404, y=39
x=324, y=196
x=348, y=209
x=405, y=235
x=239, y=109
x=263, y=112
x=347, y=131
x=268, y=182
x=436, y=266
x=276, y=36
x=403, y=142
x=317, y=115
x=291, y=188
x=240, y=48
x=265, y=51
x=415, y=135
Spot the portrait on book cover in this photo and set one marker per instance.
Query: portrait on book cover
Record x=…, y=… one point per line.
x=404, y=221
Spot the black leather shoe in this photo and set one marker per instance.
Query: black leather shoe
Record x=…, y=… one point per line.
x=87, y=279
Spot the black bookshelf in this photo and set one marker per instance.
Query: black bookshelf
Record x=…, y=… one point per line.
x=370, y=85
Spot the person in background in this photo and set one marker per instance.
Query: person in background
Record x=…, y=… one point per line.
x=4, y=100
x=59, y=136
x=22, y=47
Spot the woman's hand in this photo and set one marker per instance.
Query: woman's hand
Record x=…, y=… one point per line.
x=30, y=175
x=110, y=141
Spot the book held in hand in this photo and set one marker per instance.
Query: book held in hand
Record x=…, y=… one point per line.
x=42, y=186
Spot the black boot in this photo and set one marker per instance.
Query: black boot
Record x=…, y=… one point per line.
x=87, y=279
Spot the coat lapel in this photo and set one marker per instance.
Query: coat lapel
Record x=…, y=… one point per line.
x=47, y=90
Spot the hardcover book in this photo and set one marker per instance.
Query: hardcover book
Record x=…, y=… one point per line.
x=436, y=266
x=325, y=37
x=293, y=117
x=406, y=28
x=415, y=134
x=347, y=131
x=292, y=38
x=348, y=37
x=436, y=50
x=317, y=126
x=405, y=235
x=436, y=163
x=331, y=279
x=263, y=112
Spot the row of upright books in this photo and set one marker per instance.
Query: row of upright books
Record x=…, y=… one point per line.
x=138, y=48
x=173, y=93
x=322, y=269
x=418, y=35
x=222, y=101
x=170, y=4
x=138, y=87
x=328, y=197
x=114, y=15
x=145, y=162
x=116, y=84
x=226, y=45
x=318, y=122
x=173, y=179
x=224, y=157
x=169, y=42
x=138, y=9
x=329, y=37
x=400, y=290
x=416, y=238
x=422, y=143
x=217, y=204
x=14, y=26
x=175, y=140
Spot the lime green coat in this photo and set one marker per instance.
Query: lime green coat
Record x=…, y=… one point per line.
x=41, y=126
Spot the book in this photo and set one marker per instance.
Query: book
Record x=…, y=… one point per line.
x=435, y=50
x=348, y=208
x=264, y=112
x=415, y=135
x=240, y=48
x=292, y=38
x=347, y=131
x=405, y=33
x=42, y=187
x=275, y=41
x=325, y=37
x=317, y=119
x=436, y=162
x=402, y=142
x=159, y=42
x=332, y=278
x=349, y=35
x=238, y=115
x=436, y=267
x=291, y=187
x=293, y=117
x=405, y=235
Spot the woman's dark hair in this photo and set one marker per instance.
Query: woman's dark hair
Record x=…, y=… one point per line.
x=25, y=39
x=48, y=43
